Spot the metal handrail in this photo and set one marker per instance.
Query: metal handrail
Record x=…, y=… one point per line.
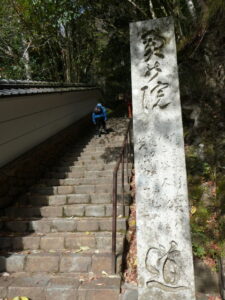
x=126, y=152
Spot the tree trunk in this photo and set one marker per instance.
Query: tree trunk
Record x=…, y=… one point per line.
x=66, y=63
x=152, y=11
x=191, y=8
x=26, y=58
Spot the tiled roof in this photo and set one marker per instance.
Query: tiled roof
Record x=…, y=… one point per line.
x=24, y=87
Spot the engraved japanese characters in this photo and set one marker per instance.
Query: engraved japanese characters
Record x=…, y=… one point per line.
x=153, y=93
x=165, y=263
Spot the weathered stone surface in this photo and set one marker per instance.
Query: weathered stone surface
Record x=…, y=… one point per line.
x=75, y=263
x=165, y=264
x=106, y=225
x=98, y=294
x=57, y=200
x=85, y=189
x=75, y=174
x=37, y=293
x=100, y=289
x=74, y=211
x=64, y=190
x=101, y=198
x=13, y=263
x=78, y=241
x=26, y=242
x=32, y=287
x=69, y=181
x=102, y=262
x=40, y=226
x=42, y=263
x=130, y=294
x=62, y=289
x=5, y=281
x=78, y=198
x=51, y=211
x=105, y=242
x=63, y=225
x=120, y=210
x=103, y=188
x=53, y=243
x=95, y=211
x=87, y=225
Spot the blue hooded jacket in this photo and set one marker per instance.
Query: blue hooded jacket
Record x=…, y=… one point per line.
x=99, y=115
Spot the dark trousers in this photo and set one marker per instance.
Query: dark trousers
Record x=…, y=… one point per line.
x=100, y=123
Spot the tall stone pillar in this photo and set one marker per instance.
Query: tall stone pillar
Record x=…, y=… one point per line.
x=165, y=262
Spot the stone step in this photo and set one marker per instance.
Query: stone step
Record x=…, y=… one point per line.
x=84, y=163
x=90, y=167
x=47, y=225
x=92, y=155
x=95, y=149
x=60, y=241
x=86, y=160
x=77, y=189
x=111, y=157
x=73, y=210
x=104, y=143
x=80, y=174
x=55, y=287
x=77, y=181
x=38, y=261
x=58, y=200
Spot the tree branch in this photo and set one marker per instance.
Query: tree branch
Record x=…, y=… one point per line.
x=138, y=7
x=26, y=49
x=152, y=11
x=8, y=52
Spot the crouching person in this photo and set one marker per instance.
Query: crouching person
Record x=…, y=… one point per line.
x=99, y=117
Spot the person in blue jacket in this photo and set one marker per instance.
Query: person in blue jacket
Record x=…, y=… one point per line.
x=99, y=117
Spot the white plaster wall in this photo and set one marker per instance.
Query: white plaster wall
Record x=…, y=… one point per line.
x=26, y=121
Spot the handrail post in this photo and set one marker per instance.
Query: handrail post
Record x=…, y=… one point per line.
x=123, y=183
x=125, y=150
x=114, y=219
x=127, y=160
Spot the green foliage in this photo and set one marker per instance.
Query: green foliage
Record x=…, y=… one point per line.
x=86, y=40
x=207, y=194
x=198, y=250
x=195, y=192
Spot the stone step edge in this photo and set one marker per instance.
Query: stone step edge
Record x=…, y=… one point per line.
x=50, y=287
x=65, y=234
x=58, y=262
x=60, y=243
x=59, y=224
x=107, y=185
x=65, y=206
x=50, y=219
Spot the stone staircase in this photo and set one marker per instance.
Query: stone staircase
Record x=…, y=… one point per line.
x=55, y=242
